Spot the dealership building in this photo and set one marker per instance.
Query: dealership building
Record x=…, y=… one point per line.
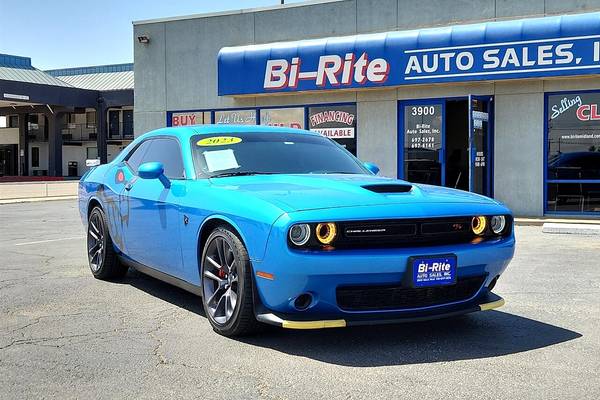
x=499, y=97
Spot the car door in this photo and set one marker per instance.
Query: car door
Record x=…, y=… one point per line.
x=152, y=217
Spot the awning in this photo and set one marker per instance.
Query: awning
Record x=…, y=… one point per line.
x=537, y=47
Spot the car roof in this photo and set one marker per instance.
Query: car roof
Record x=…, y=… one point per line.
x=185, y=132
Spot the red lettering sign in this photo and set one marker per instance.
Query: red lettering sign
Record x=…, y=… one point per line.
x=588, y=112
x=183, y=120
x=332, y=69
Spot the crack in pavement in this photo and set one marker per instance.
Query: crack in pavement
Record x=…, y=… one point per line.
x=44, y=340
x=38, y=319
x=162, y=322
x=262, y=387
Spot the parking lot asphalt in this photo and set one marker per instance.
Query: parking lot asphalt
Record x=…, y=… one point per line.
x=64, y=334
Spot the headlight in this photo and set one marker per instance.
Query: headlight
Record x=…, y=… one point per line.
x=478, y=225
x=326, y=232
x=498, y=223
x=299, y=234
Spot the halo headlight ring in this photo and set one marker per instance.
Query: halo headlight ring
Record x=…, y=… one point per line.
x=299, y=234
x=498, y=224
x=478, y=225
x=326, y=232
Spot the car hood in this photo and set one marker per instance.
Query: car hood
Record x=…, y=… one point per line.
x=319, y=191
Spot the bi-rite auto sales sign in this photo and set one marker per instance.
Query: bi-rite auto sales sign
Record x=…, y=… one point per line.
x=550, y=46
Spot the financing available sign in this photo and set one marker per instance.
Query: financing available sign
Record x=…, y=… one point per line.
x=337, y=122
x=333, y=123
x=542, y=47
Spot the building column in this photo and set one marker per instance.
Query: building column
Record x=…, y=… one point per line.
x=54, y=145
x=101, y=131
x=23, y=145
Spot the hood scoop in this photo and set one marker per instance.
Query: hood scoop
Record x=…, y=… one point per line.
x=388, y=188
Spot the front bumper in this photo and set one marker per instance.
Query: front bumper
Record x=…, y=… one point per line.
x=489, y=301
x=319, y=273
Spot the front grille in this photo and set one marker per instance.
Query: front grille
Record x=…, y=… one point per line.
x=404, y=233
x=371, y=298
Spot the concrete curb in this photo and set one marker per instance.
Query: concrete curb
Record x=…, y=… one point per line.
x=525, y=221
x=573, y=229
x=37, y=199
x=35, y=190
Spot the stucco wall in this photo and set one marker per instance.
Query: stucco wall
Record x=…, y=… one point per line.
x=177, y=69
x=519, y=147
x=78, y=154
x=9, y=136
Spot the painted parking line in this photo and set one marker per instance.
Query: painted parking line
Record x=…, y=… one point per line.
x=49, y=240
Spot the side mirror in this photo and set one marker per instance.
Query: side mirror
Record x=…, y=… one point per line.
x=371, y=167
x=154, y=170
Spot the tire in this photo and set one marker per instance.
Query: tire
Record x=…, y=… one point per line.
x=102, y=257
x=226, y=274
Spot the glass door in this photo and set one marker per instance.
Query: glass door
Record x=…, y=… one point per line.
x=128, y=123
x=423, y=132
x=480, y=144
x=113, y=124
x=8, y=160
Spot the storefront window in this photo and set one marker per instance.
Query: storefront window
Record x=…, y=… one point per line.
x=573, y=149
x=423, y=143
x=190, y=118
x=91, y=153
x=335, y=122
x=236, y=117
x=35, y=157
x=287, y=117
x=90, y=119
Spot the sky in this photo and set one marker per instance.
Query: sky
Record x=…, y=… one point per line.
x=63, y=33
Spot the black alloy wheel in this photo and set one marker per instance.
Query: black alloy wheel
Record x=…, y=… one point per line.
x=102, y=256
x=227, y=284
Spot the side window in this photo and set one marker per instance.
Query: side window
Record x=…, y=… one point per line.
x=163, y=150
x=136, y=158
x=168, y=152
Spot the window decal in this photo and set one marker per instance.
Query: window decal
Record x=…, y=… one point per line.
x=218, y=141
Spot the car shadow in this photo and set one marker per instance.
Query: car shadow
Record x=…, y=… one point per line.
x=473, y=336
x=164, y=291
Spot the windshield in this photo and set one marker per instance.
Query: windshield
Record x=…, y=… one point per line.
x=270, y=153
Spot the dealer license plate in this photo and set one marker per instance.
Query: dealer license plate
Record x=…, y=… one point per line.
x=433, y=270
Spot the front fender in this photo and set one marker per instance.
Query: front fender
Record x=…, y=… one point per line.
x=254, y=233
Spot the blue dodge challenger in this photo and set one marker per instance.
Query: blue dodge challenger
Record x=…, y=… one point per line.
x=285, y=227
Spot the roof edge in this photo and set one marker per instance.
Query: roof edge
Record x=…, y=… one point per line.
x=92, y=69
x=233, y=12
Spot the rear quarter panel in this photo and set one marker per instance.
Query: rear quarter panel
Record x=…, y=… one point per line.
x=101, y=184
